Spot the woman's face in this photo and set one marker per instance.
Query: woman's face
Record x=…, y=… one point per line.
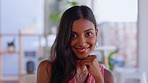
x=83, y=38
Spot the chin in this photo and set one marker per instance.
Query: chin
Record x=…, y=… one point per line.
x=80, y=57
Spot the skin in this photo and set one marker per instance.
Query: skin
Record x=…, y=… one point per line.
x=83, y=39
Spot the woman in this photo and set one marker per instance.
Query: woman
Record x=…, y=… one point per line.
x=71, y=61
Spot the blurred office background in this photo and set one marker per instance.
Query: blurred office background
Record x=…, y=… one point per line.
x=28, y=29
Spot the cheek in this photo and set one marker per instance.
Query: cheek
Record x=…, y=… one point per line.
x=93, y=42
x=71, y=42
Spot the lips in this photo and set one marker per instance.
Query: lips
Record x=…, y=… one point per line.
x=82, y=50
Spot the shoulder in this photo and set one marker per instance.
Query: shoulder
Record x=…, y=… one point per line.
x=44, y=64
x=108, y=76
x=44, y=71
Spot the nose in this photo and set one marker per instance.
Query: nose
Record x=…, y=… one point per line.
x=82, y=41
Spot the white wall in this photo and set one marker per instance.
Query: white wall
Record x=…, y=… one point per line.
x=24, y=15
x=143, y=35
x=18, y=14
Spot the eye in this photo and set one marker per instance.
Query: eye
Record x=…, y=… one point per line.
x=88, y=34
x=73, y=36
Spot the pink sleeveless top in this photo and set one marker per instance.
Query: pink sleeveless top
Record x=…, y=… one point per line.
x=90, y=78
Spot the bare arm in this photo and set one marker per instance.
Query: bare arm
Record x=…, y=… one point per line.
x=44, y=72
x=108, y=76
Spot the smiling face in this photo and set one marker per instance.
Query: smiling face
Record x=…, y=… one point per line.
x=83, y=38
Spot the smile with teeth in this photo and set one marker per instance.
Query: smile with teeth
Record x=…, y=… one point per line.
x=82, y=50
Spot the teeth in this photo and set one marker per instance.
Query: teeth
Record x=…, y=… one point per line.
x=81, y=50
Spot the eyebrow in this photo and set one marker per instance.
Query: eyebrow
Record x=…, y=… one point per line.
x=85, y=30
x=88, y=30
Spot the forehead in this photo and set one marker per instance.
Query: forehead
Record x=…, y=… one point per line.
x=82, y=24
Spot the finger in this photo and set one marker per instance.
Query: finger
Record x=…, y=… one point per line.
x=92, y=57
x=89, y=61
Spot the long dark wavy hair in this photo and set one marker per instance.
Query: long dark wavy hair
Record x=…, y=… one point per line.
x=62, y=57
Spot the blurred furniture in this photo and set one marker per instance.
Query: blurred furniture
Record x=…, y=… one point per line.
x=19, y=53
x=130, y=76
x=29, y=78
x=105, y=52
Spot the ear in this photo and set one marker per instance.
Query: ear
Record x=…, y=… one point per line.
x=97, y=31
